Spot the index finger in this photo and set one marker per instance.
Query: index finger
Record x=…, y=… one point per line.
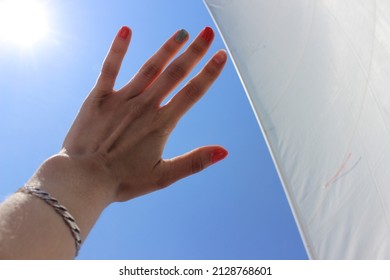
x=113, y=61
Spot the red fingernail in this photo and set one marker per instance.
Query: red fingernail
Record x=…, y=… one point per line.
x=218, y=154
x=207, y=34
x=124, y=32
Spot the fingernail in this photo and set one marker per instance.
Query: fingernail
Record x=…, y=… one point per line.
x=181, y=36
x=124, y=32
x=220, y=57
x=207, y=34
x=218, y=155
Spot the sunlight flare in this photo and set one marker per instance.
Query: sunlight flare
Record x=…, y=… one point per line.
x=23, y=22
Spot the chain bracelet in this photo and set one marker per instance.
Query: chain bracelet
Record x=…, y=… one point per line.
x=60, y=209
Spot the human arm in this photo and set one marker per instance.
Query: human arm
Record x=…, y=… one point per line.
x=113, y=151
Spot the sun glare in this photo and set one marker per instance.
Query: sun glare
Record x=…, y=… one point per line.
x=23, y=22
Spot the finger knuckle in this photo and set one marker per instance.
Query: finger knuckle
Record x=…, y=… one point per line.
x=164, y=120
x=197, y=165
x=196, y=49
x=118, y=50
x=150, y=71
x=210, y=71
x=165, y=129
x=108, y=71
x=192, y=91
x=135, y=109
x=162, y=126
x=176, y=72
x=169, y=49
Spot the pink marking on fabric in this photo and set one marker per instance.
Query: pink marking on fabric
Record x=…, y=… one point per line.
x=338, y=173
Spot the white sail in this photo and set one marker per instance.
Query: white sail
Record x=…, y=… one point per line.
x=317, y=73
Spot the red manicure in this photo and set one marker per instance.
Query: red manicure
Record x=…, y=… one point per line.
x=218, y=154
x=124, y=32
x=207, y=34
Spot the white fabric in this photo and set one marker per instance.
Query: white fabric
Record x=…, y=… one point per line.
x=317, y=73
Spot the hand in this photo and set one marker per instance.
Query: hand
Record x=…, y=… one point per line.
x=122, y=133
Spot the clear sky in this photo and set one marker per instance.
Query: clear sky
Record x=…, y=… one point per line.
x=236, y=209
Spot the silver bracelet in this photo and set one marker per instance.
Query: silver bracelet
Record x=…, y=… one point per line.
x=61, y=210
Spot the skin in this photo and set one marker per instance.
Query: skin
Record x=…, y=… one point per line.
x=113, y=151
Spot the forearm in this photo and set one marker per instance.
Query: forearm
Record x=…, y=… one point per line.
x=41, y=232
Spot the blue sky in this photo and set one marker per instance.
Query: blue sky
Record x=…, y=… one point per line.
x=236, y=209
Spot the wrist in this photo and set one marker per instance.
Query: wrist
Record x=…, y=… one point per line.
x=84, y=187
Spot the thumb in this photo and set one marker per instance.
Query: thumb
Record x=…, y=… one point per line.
x=191, y=163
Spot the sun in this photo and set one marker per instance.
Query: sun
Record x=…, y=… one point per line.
x=23, y=22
